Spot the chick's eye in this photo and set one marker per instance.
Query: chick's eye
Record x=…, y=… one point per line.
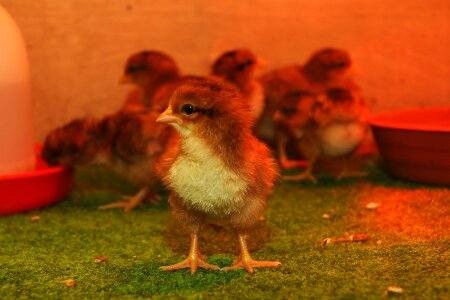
x=288, y=111
x=135, y=69
x=131, y=69
x=188, y=109
x=244, y=65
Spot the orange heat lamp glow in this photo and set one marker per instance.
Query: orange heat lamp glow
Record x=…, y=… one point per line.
x=411, y=213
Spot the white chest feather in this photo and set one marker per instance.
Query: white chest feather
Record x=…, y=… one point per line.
x=341, y=138
x=202, y=179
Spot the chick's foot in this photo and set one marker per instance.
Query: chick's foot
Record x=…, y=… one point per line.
x=306, y=175
x=246, y=262
x=192, y=263
x=131, y=202
x=194, y=260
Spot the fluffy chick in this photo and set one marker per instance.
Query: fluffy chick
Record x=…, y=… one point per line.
x=325, y=68
x=149, y=70
x=277, y=84
x=336, y=128
x=128, y=142
x=214, y=169
x=239, y=66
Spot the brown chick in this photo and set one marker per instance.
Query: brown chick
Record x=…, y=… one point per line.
x=325, y=68
x=337, y=127
x=292, y=117
x=238, y=67
x=214, y=169
x=149, y=70
x=277, y=84
x=128, y=142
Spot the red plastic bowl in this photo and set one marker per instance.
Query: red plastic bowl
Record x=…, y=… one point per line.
x=35, y=189
x=415, y=144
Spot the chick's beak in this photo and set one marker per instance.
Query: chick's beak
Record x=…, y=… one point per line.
x=125, y=79
x=168, y=117
x=261, y=63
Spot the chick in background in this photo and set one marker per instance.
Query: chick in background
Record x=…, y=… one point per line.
x=291, y=120
x=148, y=71
x=129, y=143
x=324, y=68
x=239, y=67
x=336, y=128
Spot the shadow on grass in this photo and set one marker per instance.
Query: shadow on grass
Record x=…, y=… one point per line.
x=216, y=239
x=146, y=279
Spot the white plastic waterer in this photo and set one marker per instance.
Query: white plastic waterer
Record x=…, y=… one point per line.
x=16, y=112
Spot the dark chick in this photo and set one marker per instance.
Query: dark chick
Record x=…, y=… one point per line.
x=277, y=84
x=128, y=142
x=149, y=70
x=136, y=145
x=337, y=127
x=214, y=170
x=325, y=68
x=239, y=67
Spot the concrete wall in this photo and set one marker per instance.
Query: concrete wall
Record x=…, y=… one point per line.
x=77, y=48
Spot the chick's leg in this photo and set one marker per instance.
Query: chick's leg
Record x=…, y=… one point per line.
x=285, y=162
x=307, y=174
x=132, y=202
x=194, y=259
x=245, y=261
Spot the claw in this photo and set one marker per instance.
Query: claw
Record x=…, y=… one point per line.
x=131, y=203
x=121, y=204
x=246, y=262
x=193, y=261
x=306, y=175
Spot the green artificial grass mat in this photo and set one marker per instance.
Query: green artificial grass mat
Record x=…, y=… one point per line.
x=409, y=245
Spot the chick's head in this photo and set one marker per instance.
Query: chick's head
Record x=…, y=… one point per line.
x=328, y=63
x=236, y=66
x=206, y=105
x=339, y=104
x=146, y=68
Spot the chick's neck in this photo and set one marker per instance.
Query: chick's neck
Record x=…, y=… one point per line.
x=227, y=143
